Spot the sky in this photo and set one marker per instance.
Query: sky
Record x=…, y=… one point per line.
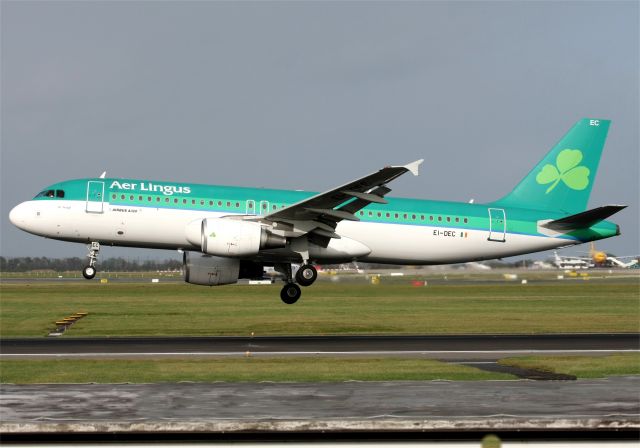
x=310, y=95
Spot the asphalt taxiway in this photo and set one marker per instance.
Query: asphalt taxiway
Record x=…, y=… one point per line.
x=449, y=347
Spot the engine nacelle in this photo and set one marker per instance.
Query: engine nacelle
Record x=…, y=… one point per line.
x=208, y=270
x=231, y=237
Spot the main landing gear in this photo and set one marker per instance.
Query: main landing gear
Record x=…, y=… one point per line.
x=90, y=271
x=306, y=275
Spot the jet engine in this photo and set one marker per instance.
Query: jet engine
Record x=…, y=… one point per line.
x=232, y=238
x=209, y=270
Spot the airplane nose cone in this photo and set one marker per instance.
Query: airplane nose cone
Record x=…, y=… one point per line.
x=18, y=216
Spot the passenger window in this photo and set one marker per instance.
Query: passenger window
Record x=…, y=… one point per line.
x=219, y=203
x=396, y=216
x=439, y=218
x=113, y=196
x=237, y=205
x=228, y=204
x=422, y=217
x=413, y=216
x=388, y=215
x=139, y=198
x=184, y=201
x=175, y=201
x=370, y=213
x=166, y=199
x=201, y=202
x=465, y=220
x=431, y=218
x=157, y=198
x=193, y=202
x=131, y=198
x=361, y=213
x=448, y=219
x=122, y=197
x=210, y=203
x=379, y=214
x=149, y=198
x=457, y=219
x=405, y=216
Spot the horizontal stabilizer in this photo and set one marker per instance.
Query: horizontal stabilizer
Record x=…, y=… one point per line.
x=584, y=220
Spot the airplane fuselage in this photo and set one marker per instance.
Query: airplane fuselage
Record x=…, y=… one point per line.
x=151, y=214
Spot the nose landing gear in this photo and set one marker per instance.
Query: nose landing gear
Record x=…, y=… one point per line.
x=90, y=271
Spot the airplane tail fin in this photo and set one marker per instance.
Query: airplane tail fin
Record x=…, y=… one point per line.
x=563, y=179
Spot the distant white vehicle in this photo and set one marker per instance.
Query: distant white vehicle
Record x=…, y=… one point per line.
x=542, y=265
x=476, y=265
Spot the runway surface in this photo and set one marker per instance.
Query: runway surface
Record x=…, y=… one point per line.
x=323, y=408
x=455, y=347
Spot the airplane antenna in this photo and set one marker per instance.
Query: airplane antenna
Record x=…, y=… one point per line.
x=104, y=173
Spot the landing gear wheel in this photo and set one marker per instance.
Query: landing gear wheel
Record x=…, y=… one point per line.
x=89, y=272
x=290, y=293
x=306, y=275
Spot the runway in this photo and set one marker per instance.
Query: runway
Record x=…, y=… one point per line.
x=285, y=409
x=454, y=347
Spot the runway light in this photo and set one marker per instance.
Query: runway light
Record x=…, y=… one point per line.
x=247, y=354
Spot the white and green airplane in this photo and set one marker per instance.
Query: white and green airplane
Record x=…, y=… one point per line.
x=227, y=233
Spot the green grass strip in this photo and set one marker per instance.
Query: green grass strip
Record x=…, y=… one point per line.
x=325, y=308
x=296, y=369
x=580, y=366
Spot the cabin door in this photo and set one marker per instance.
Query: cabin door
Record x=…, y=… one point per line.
x=497, y=225
x=95, y=196
x=251, y=207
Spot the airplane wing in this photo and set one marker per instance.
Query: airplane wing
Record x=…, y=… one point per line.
x=320, y=214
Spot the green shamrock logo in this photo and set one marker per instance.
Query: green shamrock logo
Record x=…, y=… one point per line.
x=212, y=234
x=566, y=170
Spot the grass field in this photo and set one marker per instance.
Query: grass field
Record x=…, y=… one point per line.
x=145, y=309
x=580, y=366
x=238, y=369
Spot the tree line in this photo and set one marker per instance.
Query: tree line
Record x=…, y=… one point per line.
x=25, y=264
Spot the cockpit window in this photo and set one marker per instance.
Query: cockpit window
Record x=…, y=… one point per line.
x=46, y=194
x=51, y=194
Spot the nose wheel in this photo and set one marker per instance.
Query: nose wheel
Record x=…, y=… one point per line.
x=90, y=271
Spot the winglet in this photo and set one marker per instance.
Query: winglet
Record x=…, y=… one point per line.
x=414, y=166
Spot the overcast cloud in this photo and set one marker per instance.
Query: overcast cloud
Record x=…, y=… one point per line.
x=310, y=95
